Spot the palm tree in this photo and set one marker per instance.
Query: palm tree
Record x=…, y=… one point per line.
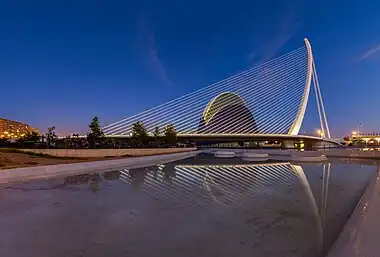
x=51, y=137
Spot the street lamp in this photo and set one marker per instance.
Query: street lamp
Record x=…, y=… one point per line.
x=360, y=128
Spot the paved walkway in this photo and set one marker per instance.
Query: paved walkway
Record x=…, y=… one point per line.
x=29, y=173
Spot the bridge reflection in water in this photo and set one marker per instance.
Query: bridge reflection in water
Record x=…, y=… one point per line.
x=199, y=206
x=276, y=198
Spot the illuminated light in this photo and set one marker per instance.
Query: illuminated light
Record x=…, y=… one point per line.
x=354, y=133
x=320, y=133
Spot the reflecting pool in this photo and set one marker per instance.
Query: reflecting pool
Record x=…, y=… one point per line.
x=199, y=206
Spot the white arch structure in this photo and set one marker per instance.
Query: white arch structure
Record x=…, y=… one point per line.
x=276, y=93
x=311, y=75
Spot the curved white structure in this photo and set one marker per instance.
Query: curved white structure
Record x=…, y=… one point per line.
x=303, y=158
x=239, y=152
x=220, y=101
x=254, y=155
x=301, y=112
x=267, y=99
x=224, y=154
x=301, y=174
x=254, y=159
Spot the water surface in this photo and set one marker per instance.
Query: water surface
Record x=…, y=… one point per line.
x=200, y=206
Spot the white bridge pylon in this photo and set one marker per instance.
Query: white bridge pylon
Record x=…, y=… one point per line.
x=267, y=99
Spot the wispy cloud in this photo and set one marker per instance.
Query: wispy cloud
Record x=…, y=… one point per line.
x=155, y=60
x=147, y=44
x=370, y=52
x=282, y=31
x=269, y=49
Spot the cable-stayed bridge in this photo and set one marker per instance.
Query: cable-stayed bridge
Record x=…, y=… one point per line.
x=267, y=101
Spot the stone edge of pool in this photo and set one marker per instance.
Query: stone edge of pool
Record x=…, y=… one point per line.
x=48, y=171
x=26, y=173
x=360, y=235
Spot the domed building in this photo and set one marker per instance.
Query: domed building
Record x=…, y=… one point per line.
x=10, y=129
x=227, y=113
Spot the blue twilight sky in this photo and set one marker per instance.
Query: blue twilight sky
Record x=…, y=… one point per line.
x=64, y=61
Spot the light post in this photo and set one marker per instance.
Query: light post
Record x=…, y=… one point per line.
x=360, y=128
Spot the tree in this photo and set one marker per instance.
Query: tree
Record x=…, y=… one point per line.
x=110, y=142
x=157, y=136
x=96, y=134
x=4, y=141
x=29, y=139
x=157, y=132
x=139, y=134
x=32, y=136
x=137, y=177
x=74, y=141
x=169, y=173
x=95, y=180
x=51, y=137
x=170, y=135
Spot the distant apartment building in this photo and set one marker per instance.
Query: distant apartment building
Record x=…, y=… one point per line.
x=13, y=129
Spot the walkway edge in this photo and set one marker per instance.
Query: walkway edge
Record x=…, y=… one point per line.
x=48, y=171
x=360, y=235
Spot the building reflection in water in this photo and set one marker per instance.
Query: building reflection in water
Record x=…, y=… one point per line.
x=92, y=179
x=275, y=187
x=268, y=192
x=111, y=175
x=296, y=208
